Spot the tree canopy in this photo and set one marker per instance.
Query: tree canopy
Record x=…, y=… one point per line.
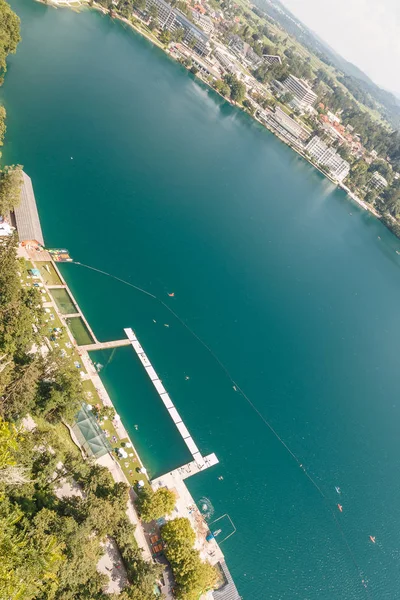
x=238, y=89
x=10, y=188
x=10, y=35
x=154, y=505
x=193, y=576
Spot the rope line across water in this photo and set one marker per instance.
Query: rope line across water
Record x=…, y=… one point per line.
x=255, y=409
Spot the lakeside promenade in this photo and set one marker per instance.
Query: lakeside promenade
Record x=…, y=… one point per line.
x=140, y=26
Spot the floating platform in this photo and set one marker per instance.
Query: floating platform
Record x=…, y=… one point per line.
x=201, y=462
x=59, y=255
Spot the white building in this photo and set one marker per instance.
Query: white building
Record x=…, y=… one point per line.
x=285, y=126
x=332, y=117
x=172, y=19
x=203, y=21
x=328, y=157
x=245, y=51
x=378, y=182
x=227, y=62
x=300, y=89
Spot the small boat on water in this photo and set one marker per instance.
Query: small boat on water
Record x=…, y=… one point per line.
x=337, y=489
x=171, y=295
x=372, y=538
x=217, y=532
x=340, y=507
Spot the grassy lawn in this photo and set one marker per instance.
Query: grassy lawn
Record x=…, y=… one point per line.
x=130, y=465
x=27, y=280
x=48, y=273
x=89, y=388
x=61, y=432
x=60, y=340
x=45, y=297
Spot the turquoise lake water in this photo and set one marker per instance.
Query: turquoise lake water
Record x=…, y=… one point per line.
x=144, y=173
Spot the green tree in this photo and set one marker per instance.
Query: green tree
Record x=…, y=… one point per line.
x=371, y=196
x=153, y=11
x=60, y=390
x=10, y=36
x=248, y=105
x=19, y=395
x=8, y=444
x=154, y=505
x=384, y=168
x=165, y=37
x=358, y=174
x=30, y=559
x=178, y=531
x=223, y=88
x=20, y=315
x=238, y=89
x=10, y=188
x=139, y=4
x=178, y=34
x=193, y=576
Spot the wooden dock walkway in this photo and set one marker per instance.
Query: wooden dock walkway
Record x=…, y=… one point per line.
x=200, y=462
x=104, y=345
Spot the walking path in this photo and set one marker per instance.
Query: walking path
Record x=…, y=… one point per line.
x=103, y=345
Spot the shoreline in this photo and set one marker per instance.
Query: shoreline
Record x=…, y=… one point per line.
x=108, y=460
x=364, y=205
x=185, y=507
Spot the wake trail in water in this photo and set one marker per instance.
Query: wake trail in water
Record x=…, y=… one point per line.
x=237, y=387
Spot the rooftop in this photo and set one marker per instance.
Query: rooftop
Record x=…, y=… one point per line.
x=26, y=214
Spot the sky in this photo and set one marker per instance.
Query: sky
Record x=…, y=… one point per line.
x=364, y=32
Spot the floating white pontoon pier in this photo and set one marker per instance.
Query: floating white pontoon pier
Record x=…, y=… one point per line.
x=200, y=462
